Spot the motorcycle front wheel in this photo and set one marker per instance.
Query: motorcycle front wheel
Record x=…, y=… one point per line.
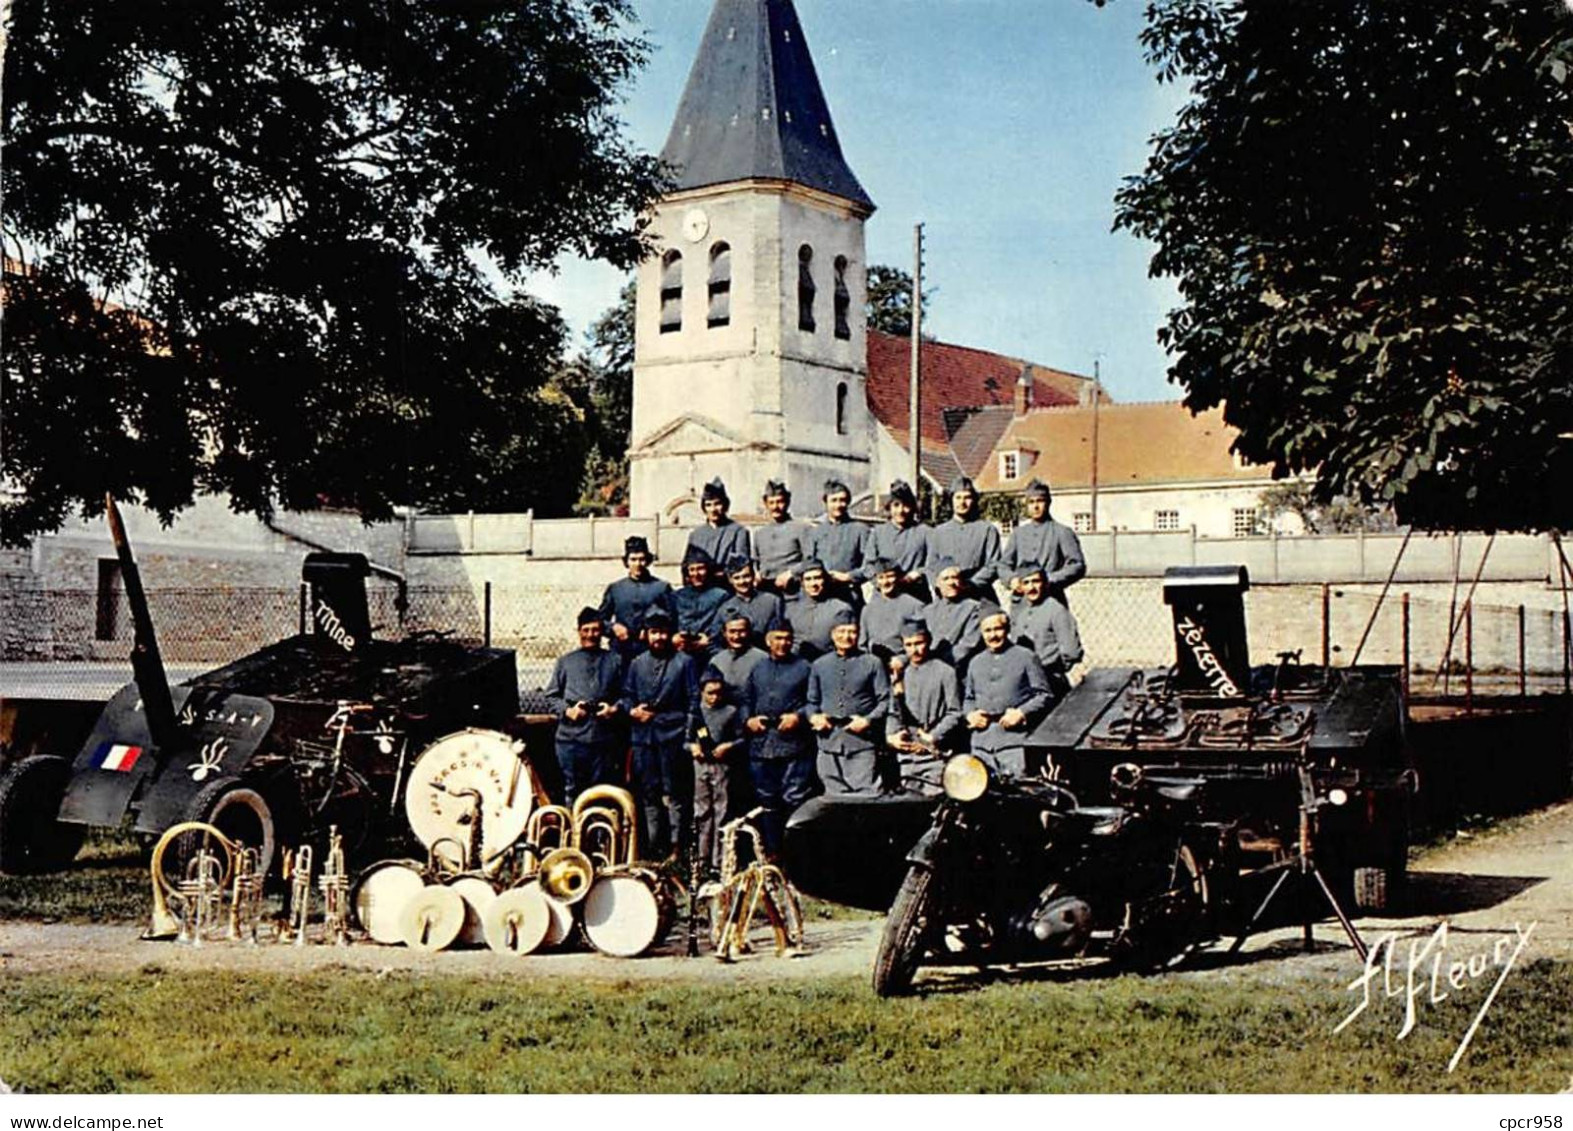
x=906, y=930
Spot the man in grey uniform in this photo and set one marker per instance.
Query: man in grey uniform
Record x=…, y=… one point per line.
x=1006, y=694
x=1040, y=540
x=1038, y=625
x=659, y=689
x=719, y=537
x=953, y=619
x=761, y=608
x=968, y=540
x=842, y=544
x=929, y=694
x=815, y=613
x=904, y=540
x=584, y=693
x=848, y=697
x=781, y=746
x=781, y=545
x=739, y=655
x=887, y=612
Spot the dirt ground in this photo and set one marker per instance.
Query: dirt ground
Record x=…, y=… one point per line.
x=1480, y=886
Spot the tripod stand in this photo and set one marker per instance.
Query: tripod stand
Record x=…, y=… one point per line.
x=1302, y=868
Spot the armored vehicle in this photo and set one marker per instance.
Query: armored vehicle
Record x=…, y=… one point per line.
x=315, y=730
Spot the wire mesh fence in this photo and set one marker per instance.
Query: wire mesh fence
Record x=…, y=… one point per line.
x=73, y=643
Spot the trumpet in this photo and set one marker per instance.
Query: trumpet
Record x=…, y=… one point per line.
x=245, y=906
x=297, y=869
x=335, y=885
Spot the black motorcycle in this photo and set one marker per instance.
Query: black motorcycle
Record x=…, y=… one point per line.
x=1016, y=870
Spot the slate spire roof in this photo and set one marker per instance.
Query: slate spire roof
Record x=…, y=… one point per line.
x=753, y=107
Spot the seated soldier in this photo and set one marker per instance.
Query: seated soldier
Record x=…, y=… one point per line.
x=814, y=612
x=1037, y=624
x=953, y=618
x=738, y=655
x=1005, y=694
x=848, y=697
x=698, y=606
x=761, y=608
x=715, y=738
x=927, y=699
x=887, y=612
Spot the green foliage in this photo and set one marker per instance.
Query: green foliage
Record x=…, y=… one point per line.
x=524, y=1030
x=1365, y=206
x=1000, y=506
x=889, y=307
x=1336, y=516
x=604, y=384
x=255, y=247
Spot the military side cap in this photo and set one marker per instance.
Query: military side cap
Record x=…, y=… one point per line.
x=1037, y=488
x=962, y=483
x=635, y=544
x=736, y=612
x=901, y=491
x=1023, y=572
x=883, y=565
x=775, y=487
x=715, y=489
x=697, y=554
x=737, y=563
x=988, y=610
x=658, y=618
x=778, y=624
x=712, y=675
x=843, y=615
x=588, y=615
x=914, y=626
x=812, y=564
x=945, y=565
x=835, y=486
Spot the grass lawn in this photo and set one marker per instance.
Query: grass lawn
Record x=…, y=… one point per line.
x=355, y=1031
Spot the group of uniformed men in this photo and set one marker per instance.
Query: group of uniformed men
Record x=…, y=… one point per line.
x=770, y=660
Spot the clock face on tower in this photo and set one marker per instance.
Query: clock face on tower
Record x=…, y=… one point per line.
x=695, y=224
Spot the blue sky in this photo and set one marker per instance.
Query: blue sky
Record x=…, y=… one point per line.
x=1005, y=126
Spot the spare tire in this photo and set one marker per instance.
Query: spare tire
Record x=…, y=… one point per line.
x=239, y=811
x=32, y=837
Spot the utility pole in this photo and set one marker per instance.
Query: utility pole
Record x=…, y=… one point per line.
x=915, y=393
x=1097, y=389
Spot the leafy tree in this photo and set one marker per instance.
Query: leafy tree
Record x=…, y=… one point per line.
x=890, y=300
x=1366, y=207
x=603, y=384
x=251, y=248
x=1318, y=516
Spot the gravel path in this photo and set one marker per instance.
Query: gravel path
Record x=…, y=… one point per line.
x=1480, y=886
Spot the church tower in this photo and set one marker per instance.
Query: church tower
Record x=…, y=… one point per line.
x=750, y=357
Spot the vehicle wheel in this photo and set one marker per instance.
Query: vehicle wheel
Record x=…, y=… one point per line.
x=241, y=813
x=906, y=929
x=1165, y=929
x=32, y=838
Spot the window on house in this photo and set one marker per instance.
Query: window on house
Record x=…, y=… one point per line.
x=1081, y=522
x=1244, y=522
x=720, y=286
x=805, y=288
x=841, y=409
x=1010, y=465
x=671, y=292
x=843, y=300
x=107, y=620
x=1166, y=520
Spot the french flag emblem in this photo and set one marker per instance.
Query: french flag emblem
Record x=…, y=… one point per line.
x=116, y=756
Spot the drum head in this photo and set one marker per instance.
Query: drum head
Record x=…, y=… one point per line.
x=380, y=898
x=433, y=918
x=465, y=770
x=517, y=920
x=622, y=916
x=478, y=895
x=562, y=917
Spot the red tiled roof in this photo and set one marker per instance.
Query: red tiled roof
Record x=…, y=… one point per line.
x=1146, y=443
x=953, y=377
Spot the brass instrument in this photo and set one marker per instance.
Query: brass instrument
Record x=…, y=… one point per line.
x=201, y=892
x=550, y=827
x=604, y=834
x=245, y=906
x=165, y=924
x=297, y=870
x=335, y=885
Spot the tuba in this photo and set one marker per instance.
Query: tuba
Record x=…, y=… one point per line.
x=603, y=833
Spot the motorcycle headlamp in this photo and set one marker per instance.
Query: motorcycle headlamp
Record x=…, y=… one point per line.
x=966, y=778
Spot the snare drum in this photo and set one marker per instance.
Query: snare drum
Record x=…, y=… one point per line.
x=627, y=913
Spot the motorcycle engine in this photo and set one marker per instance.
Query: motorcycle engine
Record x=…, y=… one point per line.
x=1059, y=923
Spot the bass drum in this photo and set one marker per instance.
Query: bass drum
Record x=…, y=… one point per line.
x=627, y=913
x=381, y=895
x=478, y=895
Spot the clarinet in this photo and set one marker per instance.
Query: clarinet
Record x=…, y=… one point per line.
x=706, y=745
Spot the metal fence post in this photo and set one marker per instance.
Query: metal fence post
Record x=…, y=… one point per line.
x=305, y=601
x=1403, y=605
x=1469, y=658
x=486, y=615
x=1327, y=627
x=1523, y=667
